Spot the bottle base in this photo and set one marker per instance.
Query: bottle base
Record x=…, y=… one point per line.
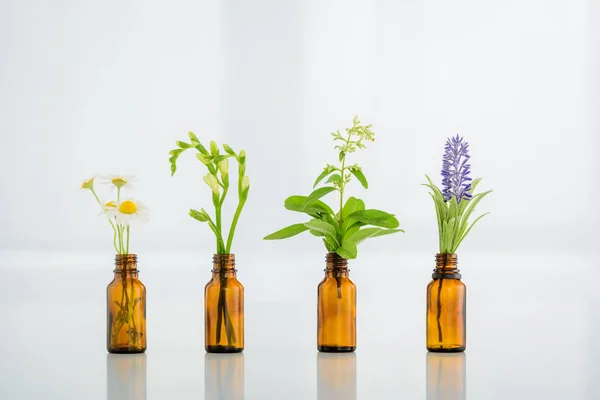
x=336, y=349
x=223, y=349
x=126, y=350
x=446, y=349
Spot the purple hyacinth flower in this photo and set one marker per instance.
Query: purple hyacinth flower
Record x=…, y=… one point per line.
x=455, y=170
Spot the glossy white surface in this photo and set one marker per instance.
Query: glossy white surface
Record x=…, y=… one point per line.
x=533, y=324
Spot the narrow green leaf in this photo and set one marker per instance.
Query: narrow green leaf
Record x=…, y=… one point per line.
x=367, y=233
x=452, y=208
x=469, y=230
x=287, y=232
x=317, y=194
x=375, y=217
x=342, y=155
x=322, y=175
x=474, y=184
x=360, y=176
x=184, y=145
x=296, y=203
x=329, y=246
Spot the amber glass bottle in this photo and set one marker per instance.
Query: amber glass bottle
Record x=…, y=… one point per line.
x=126, y=308
x=336, y=307
x=224, y=308
x=446, y=307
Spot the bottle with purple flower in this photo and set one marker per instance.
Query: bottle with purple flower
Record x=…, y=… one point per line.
x=454, y=205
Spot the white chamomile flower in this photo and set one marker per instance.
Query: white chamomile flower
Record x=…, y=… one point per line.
x=109, y=209
x=118, y=181
x=130, y=210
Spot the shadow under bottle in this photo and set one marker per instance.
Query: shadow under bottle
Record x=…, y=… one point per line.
x=446, y=307
x=224, y=308
x=336, y=307
x=126, y=308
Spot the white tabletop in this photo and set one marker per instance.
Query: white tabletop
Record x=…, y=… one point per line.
x=532, y=322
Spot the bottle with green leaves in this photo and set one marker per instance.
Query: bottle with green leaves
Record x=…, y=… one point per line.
x=341, y=233
x=224, y=294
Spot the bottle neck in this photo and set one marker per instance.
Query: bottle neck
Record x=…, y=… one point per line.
x=446, y=266
x=126, y=266
x=336, y=266
x=224, y=266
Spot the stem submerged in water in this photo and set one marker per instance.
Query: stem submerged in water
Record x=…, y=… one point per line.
x=439, y=311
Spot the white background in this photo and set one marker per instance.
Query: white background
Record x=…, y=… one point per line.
x=93, y=87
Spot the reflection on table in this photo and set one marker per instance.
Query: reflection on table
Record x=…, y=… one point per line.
x=336, y=376
x=446, y=376
x=126, y=376
x=224, y=376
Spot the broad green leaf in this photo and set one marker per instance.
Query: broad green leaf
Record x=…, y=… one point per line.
x=348, y=249
x=315, y=233
x=326, y=171
x=352, y=205
x=323, y=227
x=317, y=194
x=367, y=233
x=360, y=176
x=351, y=231
x=287, y=232
x=334, y=178
x=296, y=203
x=375, y=217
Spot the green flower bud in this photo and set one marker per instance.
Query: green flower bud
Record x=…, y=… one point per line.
x=204, y=159
x=214, y=149
x=212, y=182
x=223, y=167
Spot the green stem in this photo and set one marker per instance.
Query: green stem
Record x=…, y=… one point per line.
x=109, y=221
x=236, y=217
x=342, y=187
x=218, y=208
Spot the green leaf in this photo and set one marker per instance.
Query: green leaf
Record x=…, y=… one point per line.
x=452, y=208
x=326, y=171
x=474, y=184
x=342, y=155
x=198, y=215
x=367, y=233
x=352, y=205
x=330, y=248
x=375, y=217
x=323, y=227
x=351, y=231
x=296, y=203
x=287, y=232
x=469, y=230
x=317, y=194
x=315, y=233
x=348, y=249
x=334, y=178
x=360, y=176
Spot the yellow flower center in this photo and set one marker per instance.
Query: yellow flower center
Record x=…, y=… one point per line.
x=110, y=204
x=119, y=182
x=128, y=207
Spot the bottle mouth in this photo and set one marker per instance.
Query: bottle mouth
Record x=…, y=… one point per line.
x=126, y=262
x=446, y=260
x=335, y=261
x=223, y=261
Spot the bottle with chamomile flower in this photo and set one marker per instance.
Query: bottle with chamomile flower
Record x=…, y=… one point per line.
x=126, y=294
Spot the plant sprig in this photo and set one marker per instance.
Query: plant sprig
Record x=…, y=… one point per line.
x=453, y=217
x=341, y=232
x=217, y=179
